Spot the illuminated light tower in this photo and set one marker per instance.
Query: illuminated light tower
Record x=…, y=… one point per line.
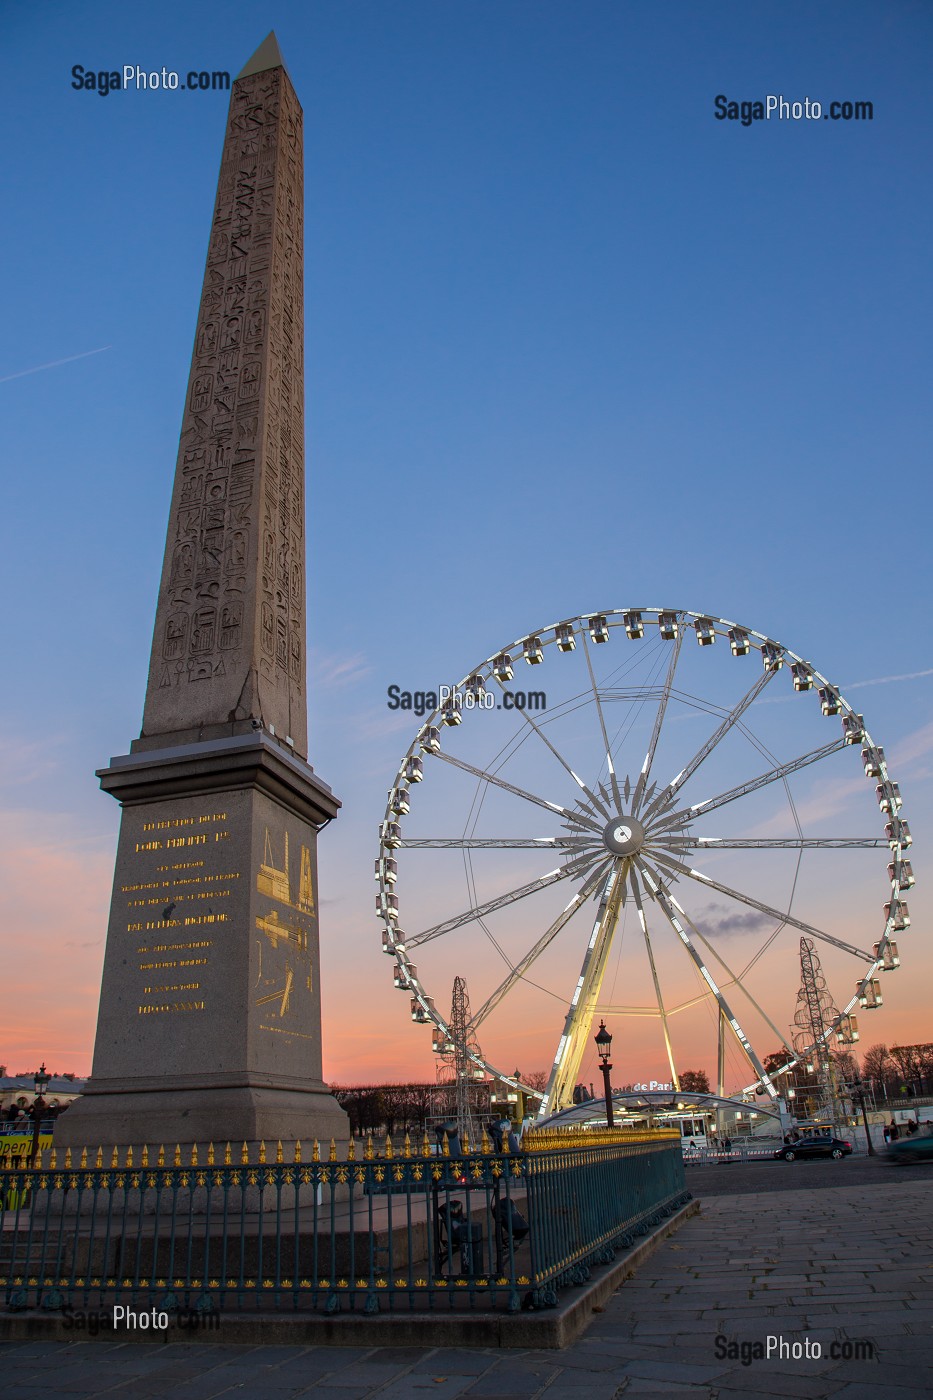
x=460, y=1055
x=814, y=1015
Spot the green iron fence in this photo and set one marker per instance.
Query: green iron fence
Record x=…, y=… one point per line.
x=413, y=1231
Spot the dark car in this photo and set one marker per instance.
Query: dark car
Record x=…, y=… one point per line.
x=820, y=1145
x=915, y=1147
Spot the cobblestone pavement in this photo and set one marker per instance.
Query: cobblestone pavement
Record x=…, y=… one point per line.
x=711, y=1179
x=820, y=1268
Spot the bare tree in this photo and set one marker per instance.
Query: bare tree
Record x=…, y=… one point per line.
x=777, y=1059
x=694, y=1081
x=914, y=1064
x=846, y=1065
x=537, y=1079
x=877, y=1065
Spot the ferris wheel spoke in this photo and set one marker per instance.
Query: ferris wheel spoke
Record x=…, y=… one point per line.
x=639, y=904
x=667, y=795
x=783, y=770
x=520, y=968
x=572, y=815
x=734, y=976
x=602, y=724
x=778, y=914
x=479, y=911
x=774, y=843
x=594, y=800
x=495, y=843
x=572, y=1044
x=663, y=899
x=658, y=722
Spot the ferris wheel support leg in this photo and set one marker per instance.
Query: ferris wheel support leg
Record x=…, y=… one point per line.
x=654, y=977
x=572, y=1043
x=657, y=891
x=721, y=1057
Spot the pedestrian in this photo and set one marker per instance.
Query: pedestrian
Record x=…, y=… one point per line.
x=912, y=1127
x=893, y=1131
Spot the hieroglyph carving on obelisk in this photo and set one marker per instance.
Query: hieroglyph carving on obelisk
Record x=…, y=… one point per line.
x=229, y=643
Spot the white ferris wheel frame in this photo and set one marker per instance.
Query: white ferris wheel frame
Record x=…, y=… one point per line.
x=661, y=833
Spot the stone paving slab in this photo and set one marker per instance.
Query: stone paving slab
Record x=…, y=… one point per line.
x=737, y=1273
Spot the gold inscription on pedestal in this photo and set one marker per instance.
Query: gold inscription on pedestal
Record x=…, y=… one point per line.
x=187, y=898
x=283, y=954
x=171, y=1006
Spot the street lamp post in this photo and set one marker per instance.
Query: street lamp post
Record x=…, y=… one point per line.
x=41, y=1084
x=604, y=1044
x=858, y=1091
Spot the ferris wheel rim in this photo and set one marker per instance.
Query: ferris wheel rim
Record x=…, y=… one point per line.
x=684, y=619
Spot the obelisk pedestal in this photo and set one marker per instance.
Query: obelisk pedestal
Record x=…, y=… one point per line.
x=209, y=1026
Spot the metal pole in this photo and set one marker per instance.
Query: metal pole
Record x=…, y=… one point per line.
x=861, y=1099
x=37, y=1108
x=607, y=1088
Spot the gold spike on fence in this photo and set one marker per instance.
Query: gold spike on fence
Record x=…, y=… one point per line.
x=406, y=1147
x=485, y=1144
x=160, y=1159
x=83, y=1158
x=100, y=1157
x=262, y=1152
x=228, y=1156
x=210, y=1154
x=369, y=1152
x=144, y=1159
x=445, y=1146
x=129, y=1157
x=425, y=1145
x=279, y=1157
x=465, y=1144
x=194, y=1154
x=389, y=1148
x=298, y=1149
x=114, y=1159
x=244, y=1155
x=351, y=1151
x=333, y=1149
x=315, y=1151
x=67, y=1159
x=177, y=1157
x=53, y=1161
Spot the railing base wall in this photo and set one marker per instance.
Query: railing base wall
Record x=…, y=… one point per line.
x=552, y=1328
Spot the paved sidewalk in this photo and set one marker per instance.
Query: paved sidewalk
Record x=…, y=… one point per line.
x=812, y=1267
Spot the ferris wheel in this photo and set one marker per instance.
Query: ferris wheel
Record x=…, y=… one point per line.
x=645, y=835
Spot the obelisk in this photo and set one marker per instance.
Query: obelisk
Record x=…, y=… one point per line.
x=209, y=1026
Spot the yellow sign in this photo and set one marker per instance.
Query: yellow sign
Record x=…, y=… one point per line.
x=16, y=1147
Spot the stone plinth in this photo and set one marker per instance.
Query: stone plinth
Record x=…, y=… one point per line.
x=209, y=1025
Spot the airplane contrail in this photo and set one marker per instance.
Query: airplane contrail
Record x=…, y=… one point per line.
x=53, y=364
x=886, y=680
x=854, y=685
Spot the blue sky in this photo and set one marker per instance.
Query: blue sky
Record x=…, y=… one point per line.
x=571, y=343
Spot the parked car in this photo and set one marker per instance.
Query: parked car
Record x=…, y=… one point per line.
x=819, y=1145
x=917, y=1147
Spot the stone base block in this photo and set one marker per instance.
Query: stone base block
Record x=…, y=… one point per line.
x=236, y=1115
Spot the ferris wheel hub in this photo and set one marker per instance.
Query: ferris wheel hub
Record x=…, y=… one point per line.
x=624, y=836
